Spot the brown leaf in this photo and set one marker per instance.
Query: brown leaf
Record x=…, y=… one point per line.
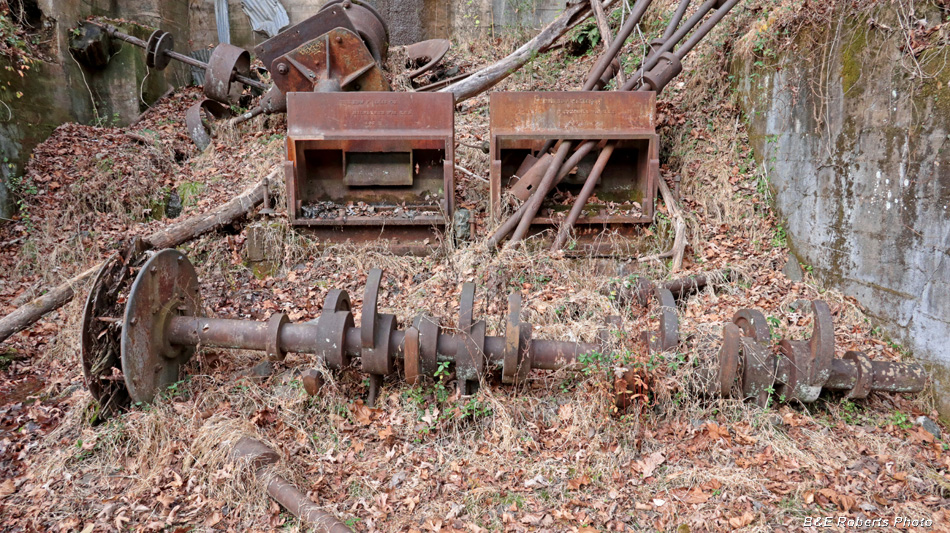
x=741, y=521
x=7, y=488
x=577, y=483
x=648, y=465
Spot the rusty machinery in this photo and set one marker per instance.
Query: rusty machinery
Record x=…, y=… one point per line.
x=623, y=176
x=523, y=122
x=365, y=166
x=135, y=338
x=142, y=323
x=750, y=368
x=371, y=165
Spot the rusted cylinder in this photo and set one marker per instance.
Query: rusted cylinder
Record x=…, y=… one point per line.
x=284, y=492
x=301, y=338
x=886, y=376
x=218, y=333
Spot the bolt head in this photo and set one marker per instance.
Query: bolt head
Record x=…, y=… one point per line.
x=282, y=68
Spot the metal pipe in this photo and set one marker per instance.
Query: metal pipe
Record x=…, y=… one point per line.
x=583, y=196
x=637, y=78
x=513, y=220
x=639, y=9
x=283, y=491
x=675, y=21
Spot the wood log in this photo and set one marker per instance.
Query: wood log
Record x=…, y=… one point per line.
x=27, y=314
x=489, y=76
x=604, y=27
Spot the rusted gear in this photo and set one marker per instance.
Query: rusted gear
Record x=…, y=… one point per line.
x=808, y=363
x=226, y=61
x=166, y=287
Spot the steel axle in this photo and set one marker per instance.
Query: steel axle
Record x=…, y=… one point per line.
x=161, y=329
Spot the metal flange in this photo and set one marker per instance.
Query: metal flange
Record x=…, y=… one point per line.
x=166, y=286
x=376, y=330
x=412, y=362
x=808, y=363
x=428, y=344
x=159, y=43
x=667, y=337
x=333, y=323
x=729, y=356
x=470, y=359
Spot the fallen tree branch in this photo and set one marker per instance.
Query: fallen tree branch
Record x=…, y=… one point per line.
x=25, y=315
x=487, y=77
x=679, y=225
x=604, y=27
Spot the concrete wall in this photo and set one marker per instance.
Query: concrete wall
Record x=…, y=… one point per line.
x=857, y=147
x=55, y=90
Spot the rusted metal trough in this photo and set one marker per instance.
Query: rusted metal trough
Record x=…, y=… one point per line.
x=523, y=123
x=372, y=166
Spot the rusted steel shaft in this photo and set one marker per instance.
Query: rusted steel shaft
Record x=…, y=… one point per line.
x=260, y=456
x=885, y=376
x=188, y=60
x=300, y=338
